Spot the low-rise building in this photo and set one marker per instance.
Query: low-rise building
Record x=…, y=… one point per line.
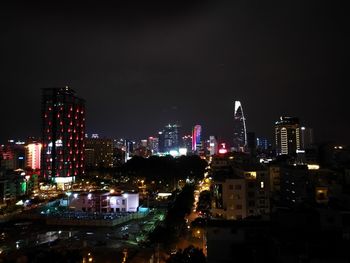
x=242, y=193
x=103, y=202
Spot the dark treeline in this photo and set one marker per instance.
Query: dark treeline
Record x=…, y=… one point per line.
x=168, y=232
x=166, y=168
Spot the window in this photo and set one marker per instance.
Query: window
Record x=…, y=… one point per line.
x=251, y=203
x=230, y=187
x=238, y=187
x=261, y=185
x=238, y=207
x=123, y=202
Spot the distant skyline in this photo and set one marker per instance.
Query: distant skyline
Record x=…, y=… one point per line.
x=142, y=66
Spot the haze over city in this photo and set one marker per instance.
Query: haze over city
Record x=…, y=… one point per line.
x=176, y=131
x=140, y=66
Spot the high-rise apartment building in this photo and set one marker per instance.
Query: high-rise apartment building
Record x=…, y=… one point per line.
x=239, y=128
x=63, y=134
x=287, y=132
x=99, y=152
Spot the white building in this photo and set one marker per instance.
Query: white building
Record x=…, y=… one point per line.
x=104, y=202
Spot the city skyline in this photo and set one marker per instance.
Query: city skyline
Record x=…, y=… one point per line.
x=147, y=67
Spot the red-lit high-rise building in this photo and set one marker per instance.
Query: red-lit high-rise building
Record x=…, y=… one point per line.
x=63, y=133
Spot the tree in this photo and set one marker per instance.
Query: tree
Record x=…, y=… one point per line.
x=188, y=255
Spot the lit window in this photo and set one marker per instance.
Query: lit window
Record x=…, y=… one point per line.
x=261, y=184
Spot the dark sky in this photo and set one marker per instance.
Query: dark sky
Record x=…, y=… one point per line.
x=140, y=66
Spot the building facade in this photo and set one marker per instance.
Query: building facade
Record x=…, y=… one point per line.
x=306, y=137
x=104, y=202
x=262, y=143
x=99, y=152
x=245, y=193
x=63, y=134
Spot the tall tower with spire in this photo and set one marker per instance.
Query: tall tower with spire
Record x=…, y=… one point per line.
x=239, y=128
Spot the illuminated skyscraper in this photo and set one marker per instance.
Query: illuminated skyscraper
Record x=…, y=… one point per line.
x=33, y=155
x=196, y=138
x=63, y=133
x=169, y=138
x=239, y=128
x=287, y=133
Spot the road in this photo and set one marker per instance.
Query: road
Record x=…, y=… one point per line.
x=194, y=237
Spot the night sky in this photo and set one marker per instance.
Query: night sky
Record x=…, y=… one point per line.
x=140, y=66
